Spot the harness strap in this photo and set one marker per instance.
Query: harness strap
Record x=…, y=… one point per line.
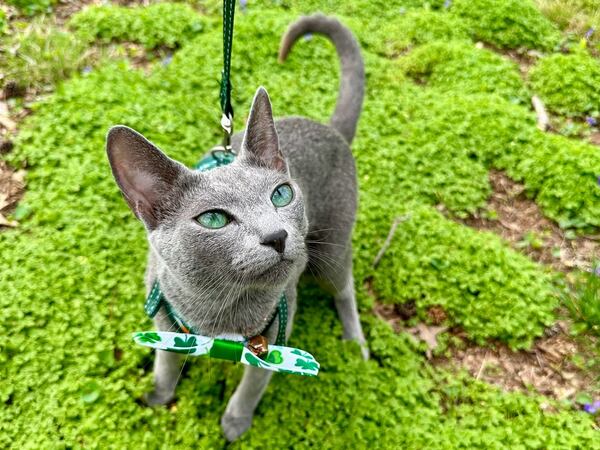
x=156, y=299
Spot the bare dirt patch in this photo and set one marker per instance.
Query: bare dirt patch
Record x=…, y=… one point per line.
x=524, y=59
x=64, y=9
x=548, y=368
x=11, y=189
x=595, y=138
x=12, y=183
x=556, y=366
x=520, y=221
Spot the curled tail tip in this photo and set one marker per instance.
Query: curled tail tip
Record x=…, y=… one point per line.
x=295, y=30
x=351, y=91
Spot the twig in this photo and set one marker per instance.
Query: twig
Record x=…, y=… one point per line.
x=543, y=122
x=388, y=239
x=480, y=371
x=537, y=356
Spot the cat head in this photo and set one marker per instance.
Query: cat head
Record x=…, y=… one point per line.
x=223, y=234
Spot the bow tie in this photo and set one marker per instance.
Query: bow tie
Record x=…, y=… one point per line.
x=278, y=358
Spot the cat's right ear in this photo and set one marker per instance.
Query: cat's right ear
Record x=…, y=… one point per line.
x=144, y=173
x=261, y=143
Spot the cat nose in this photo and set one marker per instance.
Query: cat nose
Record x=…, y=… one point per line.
x=276, y=240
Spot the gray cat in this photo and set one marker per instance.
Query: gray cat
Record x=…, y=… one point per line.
x=226, y=243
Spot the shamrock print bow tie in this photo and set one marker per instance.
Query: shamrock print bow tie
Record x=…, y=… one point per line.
x=278, y=359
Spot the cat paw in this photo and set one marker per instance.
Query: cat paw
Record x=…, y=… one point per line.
x=364, y=349
x=234, y=427
x=155, y=398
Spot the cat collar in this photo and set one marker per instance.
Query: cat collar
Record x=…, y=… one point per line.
x=156, y=299
x=277, y=358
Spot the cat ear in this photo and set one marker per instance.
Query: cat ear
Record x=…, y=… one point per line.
x=144, y=173
x=261, y=144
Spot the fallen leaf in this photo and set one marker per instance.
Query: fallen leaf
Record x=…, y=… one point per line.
x=22, y=211
x=428, y=334
x=3, y=200
x=8, y=123
x=19, y=176
x=7, y=223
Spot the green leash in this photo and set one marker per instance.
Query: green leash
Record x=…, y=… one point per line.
x=225, y=92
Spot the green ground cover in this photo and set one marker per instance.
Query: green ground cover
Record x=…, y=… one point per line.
x=508, y=24
x=32, y=7
x=73, y=293
x=568, y=84
x=461, y=67
x=160, y=24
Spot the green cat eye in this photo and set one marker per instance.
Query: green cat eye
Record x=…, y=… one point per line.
x=213, y=219
x=282, y=195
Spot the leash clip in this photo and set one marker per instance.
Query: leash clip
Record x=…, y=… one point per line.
x=227, y=125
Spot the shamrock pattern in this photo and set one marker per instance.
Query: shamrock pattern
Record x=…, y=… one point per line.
x=279, y=359
x=305, y=364
x=189, y=341
x=253, y=360
x=148, y=336
x=274, y=357
x=299, y=352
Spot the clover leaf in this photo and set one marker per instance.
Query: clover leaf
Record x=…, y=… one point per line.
x=150, y=337
x=189, y=341
x=307, y=365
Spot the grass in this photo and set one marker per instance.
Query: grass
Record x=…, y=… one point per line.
x=415, y=27
x=574, y=16
x=460, y=66
x=434, y=261
x=158, y=25
x=509, y=24
x=583, y=301
x=72, y=288
x=42, y=55
x=33, y=7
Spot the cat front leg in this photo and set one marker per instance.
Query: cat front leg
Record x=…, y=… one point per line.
x=167, y=368
x=240, y=409
x=242, y=404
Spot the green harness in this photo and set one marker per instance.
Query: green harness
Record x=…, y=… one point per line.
x=156, y=298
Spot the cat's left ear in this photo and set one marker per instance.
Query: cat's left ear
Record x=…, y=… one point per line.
x=261, y=143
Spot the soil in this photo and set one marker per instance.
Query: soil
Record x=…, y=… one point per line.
x=524, y=59
x=12, y=187
x=548, y=368
x=521, y=222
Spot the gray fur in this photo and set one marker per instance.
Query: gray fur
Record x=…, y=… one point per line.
x=229, y=280
x=352, y=83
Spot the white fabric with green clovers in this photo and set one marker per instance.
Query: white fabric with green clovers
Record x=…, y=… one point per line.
x=279, y=358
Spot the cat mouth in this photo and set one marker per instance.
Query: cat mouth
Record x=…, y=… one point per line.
x=277, y=271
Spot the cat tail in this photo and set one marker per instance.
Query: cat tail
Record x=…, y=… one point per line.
x=352, y=84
